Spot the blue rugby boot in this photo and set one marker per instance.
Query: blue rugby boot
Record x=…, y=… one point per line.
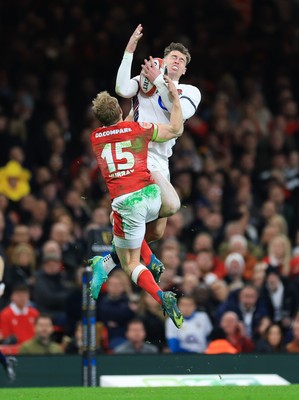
x=156, y=267
x=169, y=307
x=99, y=276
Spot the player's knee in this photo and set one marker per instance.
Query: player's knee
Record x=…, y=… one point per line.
x=155, y=235
x=175, y=206
x=171, y=208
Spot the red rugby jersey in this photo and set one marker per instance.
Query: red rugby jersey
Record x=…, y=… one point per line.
x=19, y=324
x=121, y=153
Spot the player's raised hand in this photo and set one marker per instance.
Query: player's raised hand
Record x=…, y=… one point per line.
x=150, y=70
x=134, y=39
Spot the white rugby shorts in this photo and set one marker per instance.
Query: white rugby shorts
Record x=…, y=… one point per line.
x=130, y=214
x=156, y=163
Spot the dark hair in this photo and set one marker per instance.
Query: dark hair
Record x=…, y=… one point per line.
x=178, y=47
x=135, y=321
x=188, y=297
x=43, y=316
x=217, y=333
x=20, y=287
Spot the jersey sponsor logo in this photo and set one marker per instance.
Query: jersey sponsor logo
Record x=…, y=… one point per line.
x=112, y=132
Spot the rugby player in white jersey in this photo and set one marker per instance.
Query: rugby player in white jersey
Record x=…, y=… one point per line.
x=156, y=108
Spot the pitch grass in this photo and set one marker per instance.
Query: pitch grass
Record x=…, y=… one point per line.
x=162, y=393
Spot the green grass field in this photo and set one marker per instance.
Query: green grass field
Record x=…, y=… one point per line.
x=166, y=393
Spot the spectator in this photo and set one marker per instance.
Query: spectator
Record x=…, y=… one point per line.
x=154, y=321
x=17, y=319
x=235, y=333
x=171, y=260
x=50, y=291
x=98, y=233
x=192, y=337
x=247, y=305
x=51, y=247
x=189, y=285
x=279, y=254
x=41, y=343
x=277, y=194
x=20, y=235
x=280, y=297
x=71, y=249
x=263, y=325
x=272, y=342
x=205, y=264
x=74, y=344
x=136, y=344
x=219, y=344
x=22, y=269
x=259, y=275
x=268, y=210
x=243, y=246
x=239, y=244
x=77, y=207
x=235, y=265
x=204, y=241
x=114, y=309
x=293, y=346
x=219, y=292
x=279, y=222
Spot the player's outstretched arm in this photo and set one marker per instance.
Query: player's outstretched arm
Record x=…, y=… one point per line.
x=176, y=127
x=189, y=103
x=134, y=39
x=125, y=86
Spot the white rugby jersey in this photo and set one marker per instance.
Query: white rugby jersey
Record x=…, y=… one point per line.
x=192, y=336
x=154, y=108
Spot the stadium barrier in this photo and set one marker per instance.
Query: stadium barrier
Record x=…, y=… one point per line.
x=66, y=370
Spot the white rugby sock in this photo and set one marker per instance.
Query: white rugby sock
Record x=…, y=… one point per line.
x=108, y=263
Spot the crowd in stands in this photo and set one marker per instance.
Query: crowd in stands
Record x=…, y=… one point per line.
x=231, y=253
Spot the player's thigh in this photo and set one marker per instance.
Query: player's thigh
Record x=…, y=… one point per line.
x=167, y=190
x=170, y=198
x=155, y=229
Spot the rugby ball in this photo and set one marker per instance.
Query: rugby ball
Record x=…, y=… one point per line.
x=146, y=86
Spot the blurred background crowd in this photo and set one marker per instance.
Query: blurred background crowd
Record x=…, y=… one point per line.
x=231, y=253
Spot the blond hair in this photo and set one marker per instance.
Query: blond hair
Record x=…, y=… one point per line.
x=280, y=222
x=281, y=238
x=178, y=47
x=24, y=248
x=106, y=108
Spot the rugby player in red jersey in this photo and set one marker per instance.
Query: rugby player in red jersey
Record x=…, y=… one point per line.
x=121, y=150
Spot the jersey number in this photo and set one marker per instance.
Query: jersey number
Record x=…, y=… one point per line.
x=120, y=154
